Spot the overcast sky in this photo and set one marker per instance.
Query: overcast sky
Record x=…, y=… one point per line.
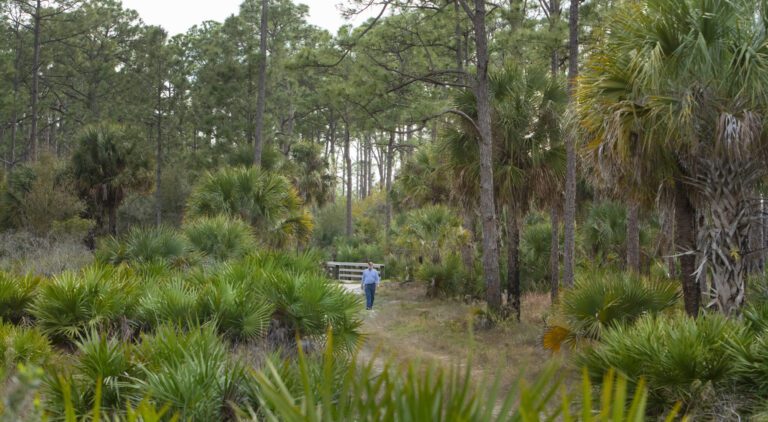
x=176, y=16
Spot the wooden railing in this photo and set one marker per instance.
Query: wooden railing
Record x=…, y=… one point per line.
x=350, y=271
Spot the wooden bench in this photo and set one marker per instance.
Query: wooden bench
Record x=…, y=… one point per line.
x=350, y=271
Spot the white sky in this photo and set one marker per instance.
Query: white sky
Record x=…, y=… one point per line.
x=176, y=16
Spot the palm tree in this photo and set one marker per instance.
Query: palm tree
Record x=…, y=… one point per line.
x=673, y=99
x=265, y=200
x=311, y=175
x=107, y=163
x=529, y=158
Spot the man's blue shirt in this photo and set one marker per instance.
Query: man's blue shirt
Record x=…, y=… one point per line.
x=371, y=276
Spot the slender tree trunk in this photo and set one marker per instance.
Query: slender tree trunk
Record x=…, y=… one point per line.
x=685, y=241
x=569, y=245
x=388, y=182
x=554, y=247
x=35, y=94
x=262, y=94
x=458, y=33
x=159, y=159
x=348, y=163
x=487, y=201
x=113, y=220
x=633, y=237
x=467, y=252
x=513, y=260
x=554, y=255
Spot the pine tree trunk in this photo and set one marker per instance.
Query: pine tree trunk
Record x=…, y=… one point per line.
x=467, y=251
x=113, y=220
x=35, y=94
x=388, y=182
x=633, y=238
x=569, y=245
x=262, y=94
x=159, y=159
x=513, y=261
x=554, y=255
x=487, y=201
x=348, y=166
x=685, y=239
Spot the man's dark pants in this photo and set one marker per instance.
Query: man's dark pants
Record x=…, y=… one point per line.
x=370, y=292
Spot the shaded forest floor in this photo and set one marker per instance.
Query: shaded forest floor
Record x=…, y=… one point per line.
x=405, y=325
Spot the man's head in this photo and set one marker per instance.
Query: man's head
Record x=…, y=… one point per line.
x=370, y=265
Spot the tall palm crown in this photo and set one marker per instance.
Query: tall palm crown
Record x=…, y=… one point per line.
x=528, y=152
x=107, y=163
x=676, y=92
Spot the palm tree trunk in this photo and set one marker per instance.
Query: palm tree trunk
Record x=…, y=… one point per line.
x=554, y=255
x=487, y=201
x=262, y=94
x=727, y=184
x=513, y=260
x=633, y=238
x=685, y=239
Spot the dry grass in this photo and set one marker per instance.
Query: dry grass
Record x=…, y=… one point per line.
x=405, y=325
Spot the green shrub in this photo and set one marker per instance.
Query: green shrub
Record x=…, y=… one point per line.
x=750, y=358
x=330, y=224
x=168, y=301
x=265, y=200
x=445, y=278
x=308, y=262
x=681, y=359
x=435, y=393
x=73, y=304
x=534, y=256
x=22, y=345
x=603, y=300
x=304, y=303
x=239, y=311
x=220, y=237
x=192, y=372
x=103, y=372
x=144, y=245
x=37, y=198
x=363, y=252
x=16, y=295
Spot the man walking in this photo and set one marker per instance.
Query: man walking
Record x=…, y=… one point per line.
x=369, y=282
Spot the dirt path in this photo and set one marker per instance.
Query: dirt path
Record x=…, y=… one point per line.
x=406, y=325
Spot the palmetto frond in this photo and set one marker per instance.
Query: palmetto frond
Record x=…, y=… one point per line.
x=265, y=200
x=677, y=91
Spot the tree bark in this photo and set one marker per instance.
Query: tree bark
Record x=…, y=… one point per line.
x=35, y=94
x=554, y=255
x=685, y=241
x=569, y=246
x=159, y=158
x=513, y=260
x=388, y=182
x=348, y=165
x=113, y=220
x=633, y=237
x=262, y=94
x=487, y=200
